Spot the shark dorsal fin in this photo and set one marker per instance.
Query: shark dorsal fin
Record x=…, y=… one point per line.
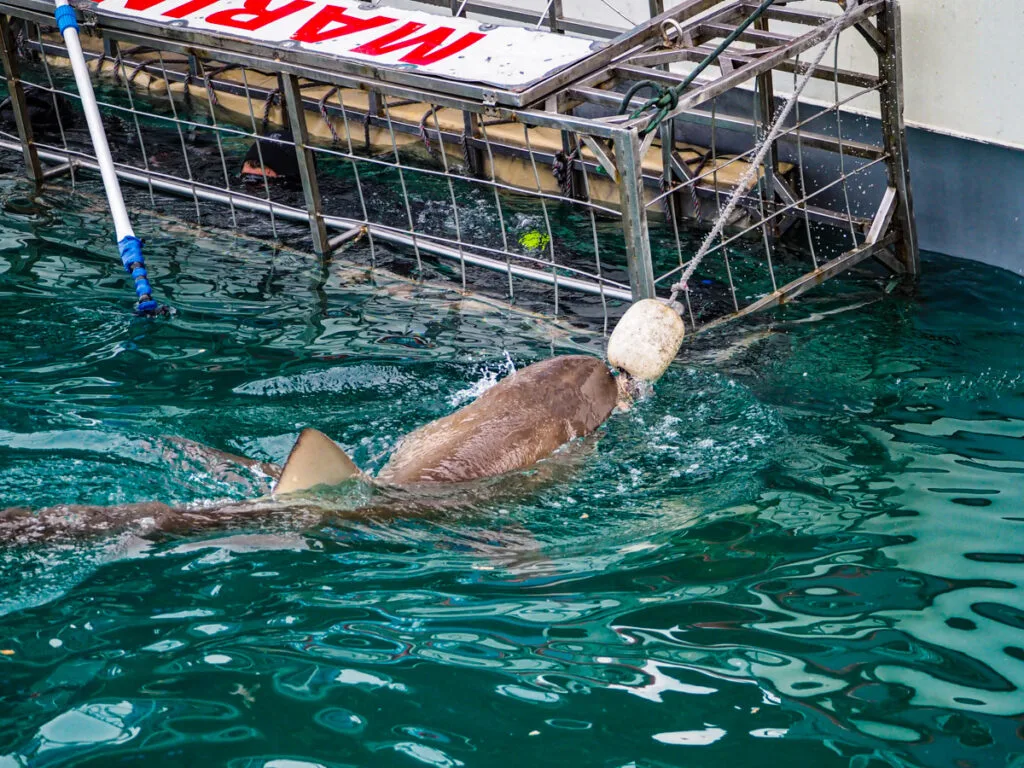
x=315, y=460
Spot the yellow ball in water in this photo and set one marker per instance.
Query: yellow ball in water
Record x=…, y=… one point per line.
x=534, y=240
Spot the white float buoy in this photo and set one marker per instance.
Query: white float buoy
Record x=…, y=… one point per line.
x=645, y=341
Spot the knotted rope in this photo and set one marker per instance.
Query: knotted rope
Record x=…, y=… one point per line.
x=754, y=168
x=667, y=99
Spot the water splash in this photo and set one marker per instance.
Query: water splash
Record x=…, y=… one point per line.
x=490, y=374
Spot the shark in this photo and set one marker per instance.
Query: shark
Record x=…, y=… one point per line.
x=477, y=452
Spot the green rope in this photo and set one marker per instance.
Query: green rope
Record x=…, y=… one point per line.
x=667, y=99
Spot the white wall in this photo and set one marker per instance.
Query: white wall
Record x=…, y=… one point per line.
x=963, y=62
x=963, y=65
x=963, y=59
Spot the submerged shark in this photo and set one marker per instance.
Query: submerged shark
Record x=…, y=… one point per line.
x=513, y=425
x=520, y=421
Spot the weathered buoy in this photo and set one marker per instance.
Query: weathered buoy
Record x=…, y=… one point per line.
x=645, y=341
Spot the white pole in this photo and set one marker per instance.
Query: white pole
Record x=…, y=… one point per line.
x=122, y=225
x=129, y=246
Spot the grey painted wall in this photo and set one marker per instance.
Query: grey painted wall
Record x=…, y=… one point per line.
x=969, y=198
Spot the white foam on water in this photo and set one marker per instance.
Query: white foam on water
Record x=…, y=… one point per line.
x=347, y=378
x=355, y=677
x=691, y=738
x=769, y=733
x=428, y=755
x=491, y=375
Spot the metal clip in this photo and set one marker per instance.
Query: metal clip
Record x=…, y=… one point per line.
x=666, y=26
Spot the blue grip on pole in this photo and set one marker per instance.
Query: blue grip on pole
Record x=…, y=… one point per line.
x=134, y=264
x=65, y=16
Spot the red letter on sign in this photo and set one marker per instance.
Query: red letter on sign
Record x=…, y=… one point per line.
x=175, y=13
x=140, y=5
x=255, y=14
x=313, y=30
x=193, y=6
x=426, y=51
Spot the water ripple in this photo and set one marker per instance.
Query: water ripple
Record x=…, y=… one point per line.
x=807, y=547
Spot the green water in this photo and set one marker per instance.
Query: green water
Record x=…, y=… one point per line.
x=806, y=549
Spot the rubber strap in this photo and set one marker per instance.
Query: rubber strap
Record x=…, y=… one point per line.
x=130, y=248
x=65, y=16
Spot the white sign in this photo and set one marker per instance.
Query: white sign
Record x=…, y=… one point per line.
x=450, y=47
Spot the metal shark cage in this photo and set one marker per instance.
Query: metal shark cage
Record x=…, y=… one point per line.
x=556, y=185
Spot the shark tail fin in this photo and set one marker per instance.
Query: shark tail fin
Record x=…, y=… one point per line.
x=315, y=460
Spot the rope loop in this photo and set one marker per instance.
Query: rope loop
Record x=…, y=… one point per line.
x=469, y=163
x=187, y=90
x=424, y=136
x=326, y=117
x=211, y=94
x=273, y=98
x=561, y=169
x=658, y=89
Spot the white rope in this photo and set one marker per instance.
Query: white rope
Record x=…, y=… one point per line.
x=544, y=13
x=755, y=163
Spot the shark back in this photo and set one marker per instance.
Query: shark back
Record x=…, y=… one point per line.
x=517, y=422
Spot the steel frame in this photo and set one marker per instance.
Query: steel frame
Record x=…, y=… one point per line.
x=581, y=102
